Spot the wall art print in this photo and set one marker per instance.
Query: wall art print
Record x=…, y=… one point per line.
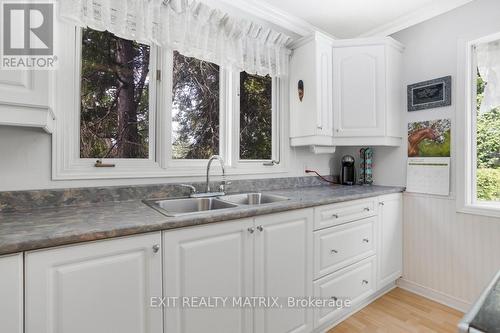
x=430, y=138
x=429, y=94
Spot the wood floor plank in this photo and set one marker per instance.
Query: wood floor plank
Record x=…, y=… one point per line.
x=401, y=311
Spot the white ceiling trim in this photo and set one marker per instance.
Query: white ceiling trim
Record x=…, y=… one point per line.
x=416, y=17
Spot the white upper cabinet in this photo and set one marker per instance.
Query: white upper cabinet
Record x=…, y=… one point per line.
x=24, y=99
x=367, y=92
x=352, y=92
x=311, y=118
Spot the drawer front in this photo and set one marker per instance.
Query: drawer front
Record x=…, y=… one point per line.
x=337, y=247
x=335, y=214
x=354, y=283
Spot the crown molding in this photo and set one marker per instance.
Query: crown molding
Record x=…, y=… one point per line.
x=416, y=17
x=276, y=16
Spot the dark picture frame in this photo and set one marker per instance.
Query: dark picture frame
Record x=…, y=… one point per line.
x=429, y=94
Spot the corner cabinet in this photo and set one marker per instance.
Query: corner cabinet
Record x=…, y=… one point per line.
x=367, y=92
x=24, y=99
x=311, y=117
x=98, y=287
x=352, y=92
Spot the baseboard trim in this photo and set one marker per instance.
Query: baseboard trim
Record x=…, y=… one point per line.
x=379, y=293
x=434, y=295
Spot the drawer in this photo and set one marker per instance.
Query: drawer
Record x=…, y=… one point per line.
x=337, y=247
x=355, y=283
x=339, y=213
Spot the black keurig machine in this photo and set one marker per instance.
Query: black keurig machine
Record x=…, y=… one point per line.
x=348, y=172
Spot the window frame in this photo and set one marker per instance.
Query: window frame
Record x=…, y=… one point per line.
x=466, y=132
x=66, y=161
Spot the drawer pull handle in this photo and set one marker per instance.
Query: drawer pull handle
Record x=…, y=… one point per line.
x=260, y=228
x=251, y=230
x=335, y=216
x=366, y=240
x=364, y=282
x=156, y=248
x=367, y=209
x=333, y=251
x=334, y=298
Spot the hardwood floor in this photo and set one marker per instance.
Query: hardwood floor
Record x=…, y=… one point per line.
x=400, y=311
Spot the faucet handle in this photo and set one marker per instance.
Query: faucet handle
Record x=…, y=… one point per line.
x=191, y=187
x=223, y=183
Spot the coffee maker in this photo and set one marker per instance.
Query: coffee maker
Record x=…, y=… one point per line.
x=348, y=171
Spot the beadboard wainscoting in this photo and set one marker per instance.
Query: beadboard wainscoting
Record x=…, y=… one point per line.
x=449, y=257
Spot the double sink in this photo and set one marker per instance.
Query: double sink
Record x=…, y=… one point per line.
x=180, y=207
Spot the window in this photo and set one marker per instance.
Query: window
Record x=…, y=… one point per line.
x=478, y=131
x=143, y=111
x=114, y=104
x=486, y=122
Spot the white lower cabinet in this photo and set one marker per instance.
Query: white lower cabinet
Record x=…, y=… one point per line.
x=11, y=293
x=98, y=287
x=283, y=268
x=390, y=245
x=210, y=260
x=355, y=283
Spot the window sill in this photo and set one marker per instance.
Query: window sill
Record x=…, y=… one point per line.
x=483, y=209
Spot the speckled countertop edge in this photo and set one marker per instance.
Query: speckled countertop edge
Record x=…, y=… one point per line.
x=45, y=228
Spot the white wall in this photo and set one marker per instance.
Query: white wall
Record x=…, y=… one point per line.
x=449, y=256
x=25, y=164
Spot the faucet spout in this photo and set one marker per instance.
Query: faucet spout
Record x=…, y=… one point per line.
x=221, y=161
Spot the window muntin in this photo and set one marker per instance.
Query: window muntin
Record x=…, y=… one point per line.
x=114, y=91
x=486, y=123
x=256, y=117
x=195, y=108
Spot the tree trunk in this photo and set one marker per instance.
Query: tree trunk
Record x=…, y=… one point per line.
x=127, y=137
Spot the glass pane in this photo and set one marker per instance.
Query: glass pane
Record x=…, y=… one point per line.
x=256, y=117
x=488, y=122
x=114, y=113
x=195, y=108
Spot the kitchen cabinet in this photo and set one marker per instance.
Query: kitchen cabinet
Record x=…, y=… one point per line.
x=367, y=92
x=283, y=268
x=24, y=99
x=11, y=291
x=97, y=287
x=210, y=260
x=311, y=117
x=390, y=245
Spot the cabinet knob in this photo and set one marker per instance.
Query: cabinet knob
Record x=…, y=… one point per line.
x=381, y=203
x=366, y=240
x=335, y=216
x=333, y=251
x=260, y=228
x=251, y=230
x=334, y=298
x=364, y=282
x=367, y=209
x=156, y=248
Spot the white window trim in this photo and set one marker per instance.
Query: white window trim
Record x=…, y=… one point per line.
x=65, y=99
x=466, y=131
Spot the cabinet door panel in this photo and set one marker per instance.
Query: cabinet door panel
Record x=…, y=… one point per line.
x=212, y=260
x=11, y=291
x=391, y=239
x=99, y=287
x=283, y=268
x=359, y=91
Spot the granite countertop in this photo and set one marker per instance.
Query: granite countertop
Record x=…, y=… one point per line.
x=50, y=227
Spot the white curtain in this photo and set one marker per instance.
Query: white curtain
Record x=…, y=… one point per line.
x=188, y=26
x=488, y=63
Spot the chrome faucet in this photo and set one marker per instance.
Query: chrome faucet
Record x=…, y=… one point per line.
x=224, y=182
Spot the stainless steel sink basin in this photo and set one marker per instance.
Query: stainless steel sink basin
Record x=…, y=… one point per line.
x=253, y=198
x=177, y=207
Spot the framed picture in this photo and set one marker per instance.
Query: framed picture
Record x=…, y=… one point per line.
x=429, y=94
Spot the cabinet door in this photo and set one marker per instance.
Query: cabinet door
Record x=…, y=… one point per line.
x=11, y=291
x=215, y=260
x=390, y=239
x=283, y=268
x=324, y=95
x=359, y=91
x=98, y=287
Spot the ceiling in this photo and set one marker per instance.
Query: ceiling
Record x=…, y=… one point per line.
x=354, y=18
